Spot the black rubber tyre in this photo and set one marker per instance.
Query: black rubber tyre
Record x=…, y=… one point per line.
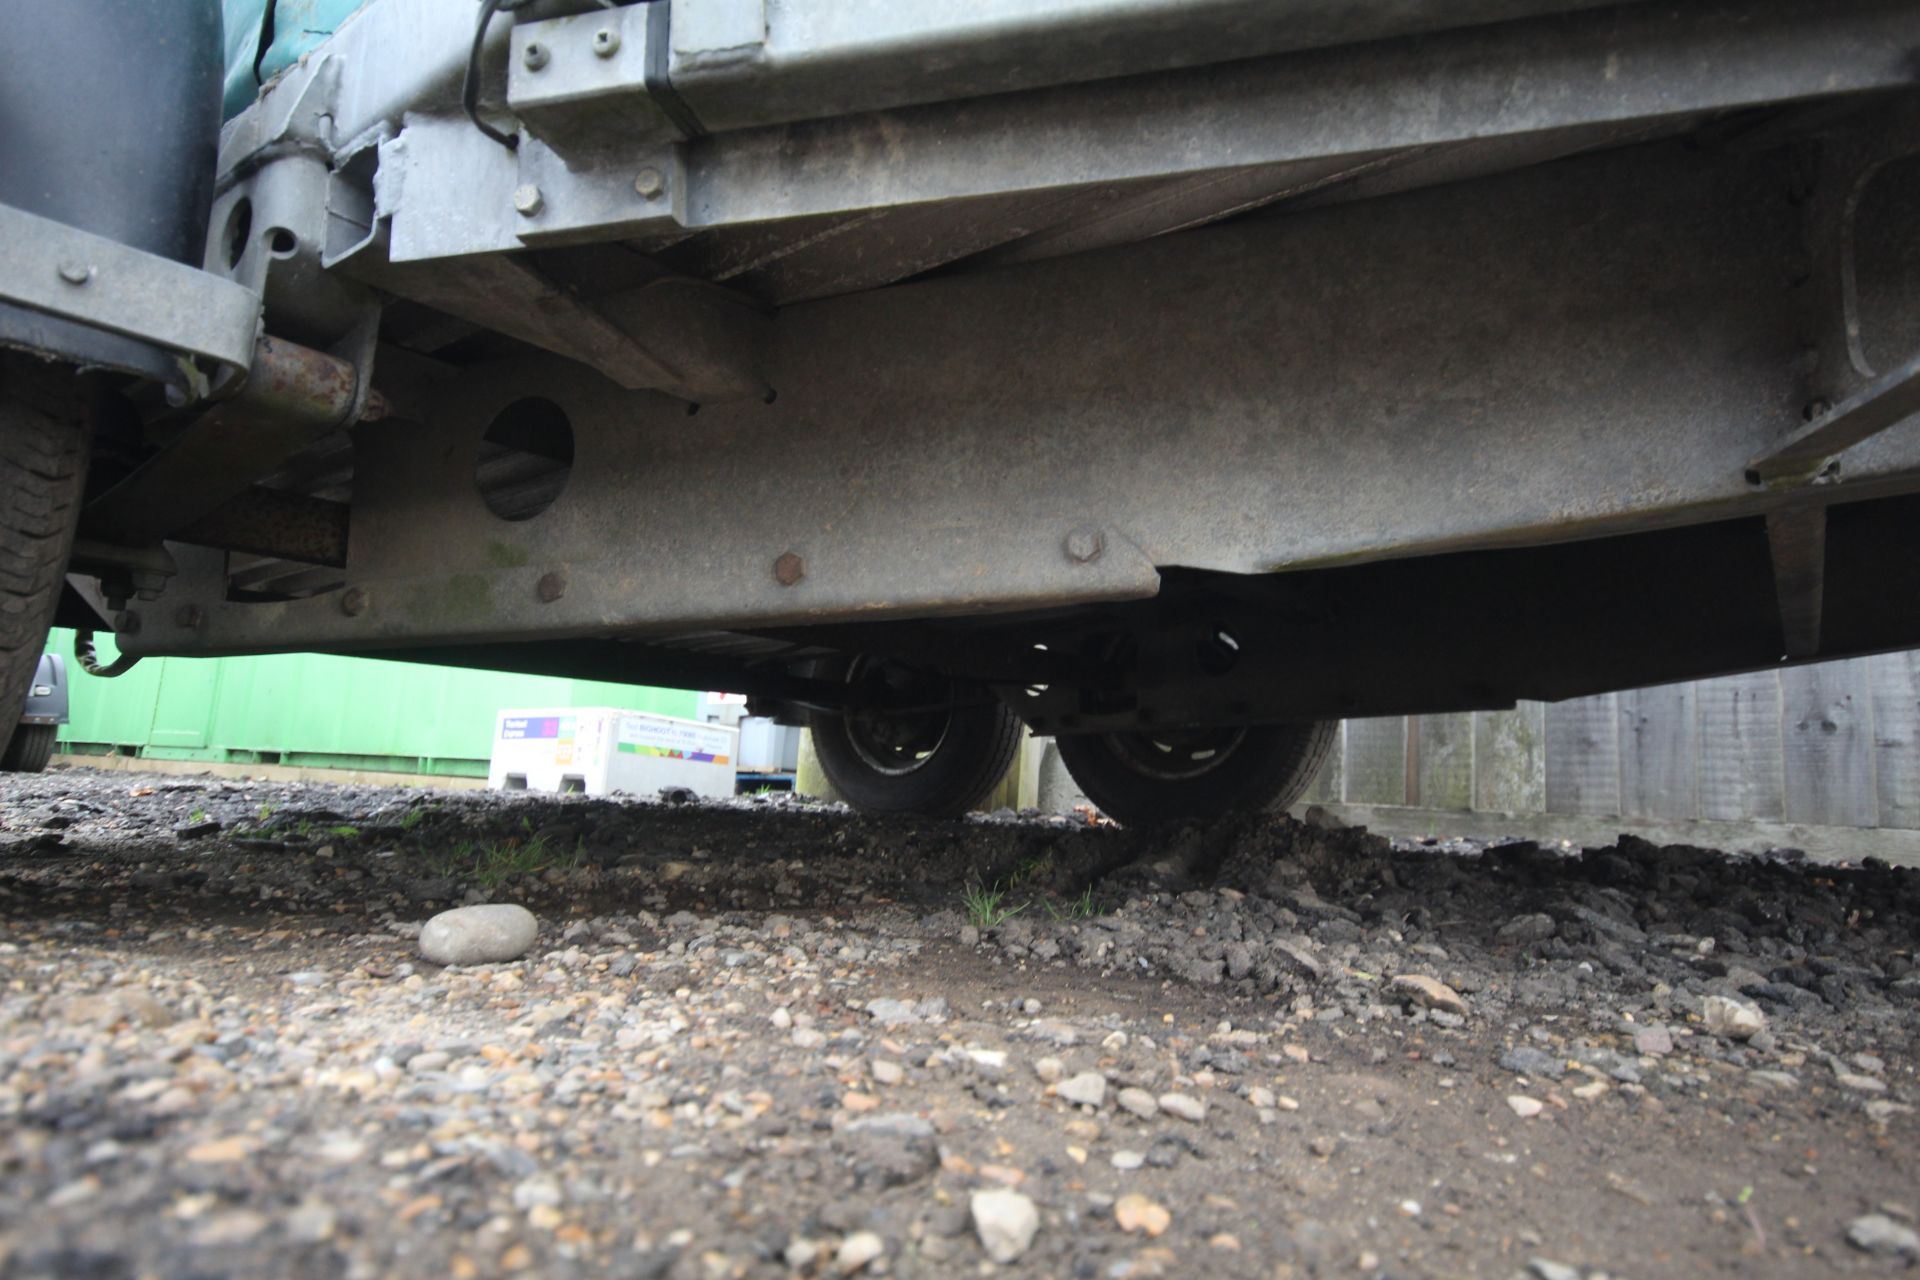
x=1165, y=775
x=937, y=764
x=43, y=468
x=29, y=749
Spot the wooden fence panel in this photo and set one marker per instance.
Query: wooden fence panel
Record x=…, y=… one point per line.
x=1657, y=752
x=1510, y=759
x=1376, y=771
x=1896, y=737
x=1446, y=761
x=1741, y=770
x=1827, y=734
x=1828, y=744
x=1583, y=756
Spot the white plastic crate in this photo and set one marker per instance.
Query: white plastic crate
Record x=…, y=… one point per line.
x=600, y=750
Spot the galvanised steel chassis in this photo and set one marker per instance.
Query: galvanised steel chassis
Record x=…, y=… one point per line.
x=1151, y=360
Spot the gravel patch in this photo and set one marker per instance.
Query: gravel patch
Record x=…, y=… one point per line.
x=768, y=1038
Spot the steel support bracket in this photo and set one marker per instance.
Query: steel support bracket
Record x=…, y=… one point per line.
x=56, y=269
x=1887, y=400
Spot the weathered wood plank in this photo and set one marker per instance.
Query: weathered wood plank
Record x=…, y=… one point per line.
x=1446, y=761
x=1740, y=774
x=1895, y=681
x=1827, y=720
x=1583, y=756
x=1510, y=759
x=1657, y=743
x=1377, y=761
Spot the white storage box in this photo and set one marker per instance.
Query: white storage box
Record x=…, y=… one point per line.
x=600, y=750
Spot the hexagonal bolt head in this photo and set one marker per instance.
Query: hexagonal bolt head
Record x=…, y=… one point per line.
x=353, y=602
x=551, y=586
x=534, y=57
x=527, y=200
x=1085, y=543
x=789, y=569
x=648, y=183
x=606, y=42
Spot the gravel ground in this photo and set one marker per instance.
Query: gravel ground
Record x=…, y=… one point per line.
x=772, y=1038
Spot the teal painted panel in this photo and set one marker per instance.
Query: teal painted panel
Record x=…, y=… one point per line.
x=299, y=26
x=318, y=704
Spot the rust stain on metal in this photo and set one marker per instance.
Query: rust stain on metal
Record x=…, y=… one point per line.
x=268, y=522
x=353, y=602
x=789, y=569
x=298, y=381
x=190, y=617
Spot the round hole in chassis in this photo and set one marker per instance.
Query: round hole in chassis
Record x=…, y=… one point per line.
x=525, y=457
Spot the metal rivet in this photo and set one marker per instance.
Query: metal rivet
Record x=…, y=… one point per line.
x=534, y=57
x=528, y=200
x=649, y=183
x=789, y=569
x=75, y=272
x=190, y=617
x=606, y=42
x=1085, y=543
x=552, y=586
x=353, y=602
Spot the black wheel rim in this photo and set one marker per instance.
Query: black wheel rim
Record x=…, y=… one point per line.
x=897, y=743
x=1176, y=755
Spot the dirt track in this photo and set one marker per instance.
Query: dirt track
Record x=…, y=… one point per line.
x=768, y=1039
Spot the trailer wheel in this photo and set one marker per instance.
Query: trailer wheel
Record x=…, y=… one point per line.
x=29, y=749
x=936, y=762
x=43, y=467
x=1162, y=775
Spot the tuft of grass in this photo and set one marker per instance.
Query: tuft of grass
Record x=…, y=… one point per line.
x=266, y=812
x=346, y=833
x=197, y=817
x=1030, y=871
x=493, y=863
x=984, y=905
x=412, y=818
x=1080, y=908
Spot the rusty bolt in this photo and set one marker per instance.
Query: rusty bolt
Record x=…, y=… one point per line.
x=190, y=617
x=528, y=200
x=534, y=57
x=75, y=272
x=648, y=183
x=1085, y=543
x=127, y=623
x=606, y=42
x=353, y=602
x=789, y=569
x=552, y=586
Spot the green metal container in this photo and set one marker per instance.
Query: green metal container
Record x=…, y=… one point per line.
x=319, y=711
